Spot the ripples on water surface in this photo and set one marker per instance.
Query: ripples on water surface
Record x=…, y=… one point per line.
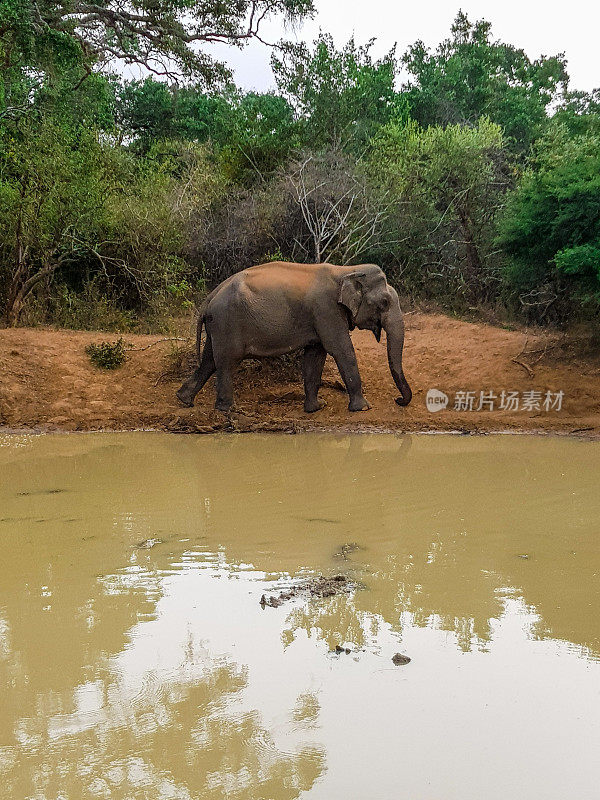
x=137, y=662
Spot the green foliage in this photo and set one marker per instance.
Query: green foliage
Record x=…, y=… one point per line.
x=52, y=183
x=579, y=113
x=470, y=76
x=583, y=262
x=107, y=355
x=89, y=307
x=262, y=135
x=164, y=37
x=121, y=202
x=275, y=255
x=252, y=133
x=447, y=185
x=551, y=227
x=74, y=205
x=151, y=110
x=342, y=96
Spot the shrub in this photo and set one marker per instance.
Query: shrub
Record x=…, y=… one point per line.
x=319, y=207
x=107, y=355
x=550, y=229
x=448, y=185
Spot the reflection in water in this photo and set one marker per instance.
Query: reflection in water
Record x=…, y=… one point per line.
x=136, y=661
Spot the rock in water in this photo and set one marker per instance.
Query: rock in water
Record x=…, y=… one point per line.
x=400, y=660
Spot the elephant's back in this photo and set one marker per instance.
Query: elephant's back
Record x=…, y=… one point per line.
x=283, y=276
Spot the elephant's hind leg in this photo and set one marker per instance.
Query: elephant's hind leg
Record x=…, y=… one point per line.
x=196, y=381
x=225, y=370
x=229, y=351
x=313, y=362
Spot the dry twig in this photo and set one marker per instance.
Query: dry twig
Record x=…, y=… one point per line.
x=158, y=341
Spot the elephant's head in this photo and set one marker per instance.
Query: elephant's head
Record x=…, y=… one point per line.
x=372, y=304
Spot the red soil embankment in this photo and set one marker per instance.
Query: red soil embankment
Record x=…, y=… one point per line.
x=48, y=382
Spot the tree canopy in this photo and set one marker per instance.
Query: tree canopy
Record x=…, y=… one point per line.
x=164, y=38
x=470, y=75
x=474, y=182
x=551, y=225
x=340, y=96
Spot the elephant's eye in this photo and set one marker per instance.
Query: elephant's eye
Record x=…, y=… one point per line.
x=385, y=304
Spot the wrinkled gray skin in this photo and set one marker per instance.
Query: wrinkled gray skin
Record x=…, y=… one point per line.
x=280, y=307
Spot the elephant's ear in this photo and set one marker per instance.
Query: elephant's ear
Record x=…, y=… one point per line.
x=351, y=293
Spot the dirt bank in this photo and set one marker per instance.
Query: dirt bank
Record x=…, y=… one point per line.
x=48, y=382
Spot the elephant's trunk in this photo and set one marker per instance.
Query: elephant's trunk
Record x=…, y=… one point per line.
x=393, y=325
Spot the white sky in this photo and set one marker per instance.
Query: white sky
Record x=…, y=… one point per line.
x=539, y=27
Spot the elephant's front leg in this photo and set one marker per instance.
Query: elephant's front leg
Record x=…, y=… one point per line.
x=342, y=350
x=312, y=369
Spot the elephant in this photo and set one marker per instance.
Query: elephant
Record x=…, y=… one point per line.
x=281, y=307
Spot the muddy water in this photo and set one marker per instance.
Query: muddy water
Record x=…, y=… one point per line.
x=137, y=662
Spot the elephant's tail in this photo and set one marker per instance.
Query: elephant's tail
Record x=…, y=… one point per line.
x=201, y=324
x=202, y=321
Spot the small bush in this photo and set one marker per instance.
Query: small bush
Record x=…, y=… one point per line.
x=107, y=355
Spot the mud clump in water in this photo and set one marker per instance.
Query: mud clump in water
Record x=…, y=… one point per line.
x=346, y=549
x=339, y=650
x=315, y=587
x=148, y=544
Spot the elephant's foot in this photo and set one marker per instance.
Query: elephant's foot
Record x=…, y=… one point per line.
x=225, y=406
x=358, y=404
x=310, y=406
x=185, y=398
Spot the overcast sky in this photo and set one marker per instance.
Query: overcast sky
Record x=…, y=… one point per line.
x=540, y=28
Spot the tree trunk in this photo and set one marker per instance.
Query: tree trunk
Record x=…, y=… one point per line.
x=20, y=290
x=13, y=313
x=474, y=269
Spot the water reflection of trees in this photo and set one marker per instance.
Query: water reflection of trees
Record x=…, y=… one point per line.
x=335, y=621
x=444, y=529
x=183, y=743
x=284, y=505
x=67, y=609
x=184, y=736
x=288, y=503
x=348, y=619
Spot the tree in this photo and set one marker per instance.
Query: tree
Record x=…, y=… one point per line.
x=51, y=189
x=163, y=37
x=341, y=96
x=151, y=110
x=342, y=216
x=579, y=113
x=251, y=133
x=448, y=185
x=470, y=75
x=550, y=229
x=262, y=134
x=146, y=110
